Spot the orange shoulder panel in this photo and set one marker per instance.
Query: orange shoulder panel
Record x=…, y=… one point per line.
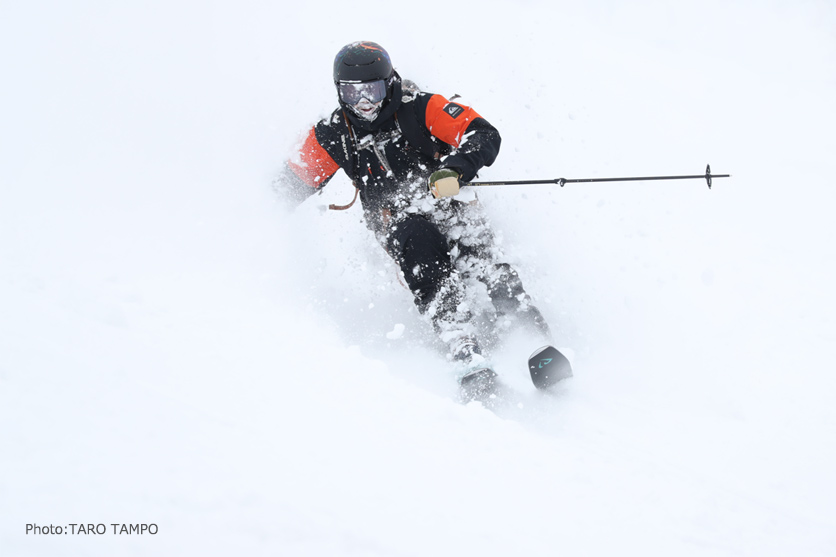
x=314, y=165
x=448, y=120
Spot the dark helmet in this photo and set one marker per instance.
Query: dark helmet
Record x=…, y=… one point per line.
x=362, y=61
x=363, y=72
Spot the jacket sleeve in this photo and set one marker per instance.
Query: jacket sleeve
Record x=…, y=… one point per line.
x=308, y=170
x=475, y=140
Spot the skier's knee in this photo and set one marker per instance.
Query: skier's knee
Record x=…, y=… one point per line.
x=421, y=251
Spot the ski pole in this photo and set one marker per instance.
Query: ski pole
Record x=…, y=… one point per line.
x=563, y=181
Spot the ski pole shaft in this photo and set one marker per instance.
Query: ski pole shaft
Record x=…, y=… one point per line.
x=708, y=176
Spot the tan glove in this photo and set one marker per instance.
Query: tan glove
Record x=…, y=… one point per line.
x=444, y=183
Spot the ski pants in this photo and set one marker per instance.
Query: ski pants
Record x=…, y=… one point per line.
x=422, y=252
x=440, y=252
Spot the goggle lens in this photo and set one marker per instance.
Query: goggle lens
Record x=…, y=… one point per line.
x=373, y=91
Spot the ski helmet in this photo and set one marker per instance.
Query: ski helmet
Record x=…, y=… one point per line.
x=367, y=84
x=362, y=61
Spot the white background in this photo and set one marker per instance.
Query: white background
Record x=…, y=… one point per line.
x=177, y=349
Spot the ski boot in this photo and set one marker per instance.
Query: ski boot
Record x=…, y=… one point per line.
x=477, y=381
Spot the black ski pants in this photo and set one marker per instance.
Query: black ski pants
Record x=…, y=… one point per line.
x=422, y=252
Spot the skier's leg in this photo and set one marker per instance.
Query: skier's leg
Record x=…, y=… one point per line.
x=510, y=298
x=422, y=252
x=480, y=256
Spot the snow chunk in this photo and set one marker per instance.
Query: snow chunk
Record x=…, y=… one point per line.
x=397, y=332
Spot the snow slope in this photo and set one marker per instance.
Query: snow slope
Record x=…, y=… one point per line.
x=177, y=349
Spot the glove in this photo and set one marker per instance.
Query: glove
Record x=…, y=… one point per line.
x=444, y=183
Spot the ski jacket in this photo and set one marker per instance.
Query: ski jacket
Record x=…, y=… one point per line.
x=391, y=157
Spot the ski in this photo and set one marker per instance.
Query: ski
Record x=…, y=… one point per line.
x=548, y=366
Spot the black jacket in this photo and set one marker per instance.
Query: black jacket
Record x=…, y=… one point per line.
x=390, y=158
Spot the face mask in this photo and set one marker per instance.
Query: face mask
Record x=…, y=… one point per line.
x=366, y=110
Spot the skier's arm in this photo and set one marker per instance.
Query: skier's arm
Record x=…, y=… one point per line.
x=307, y=172
x=475, y=139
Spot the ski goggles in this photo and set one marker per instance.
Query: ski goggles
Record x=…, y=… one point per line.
x=353, y=93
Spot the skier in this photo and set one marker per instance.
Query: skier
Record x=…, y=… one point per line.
x=407, y=152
